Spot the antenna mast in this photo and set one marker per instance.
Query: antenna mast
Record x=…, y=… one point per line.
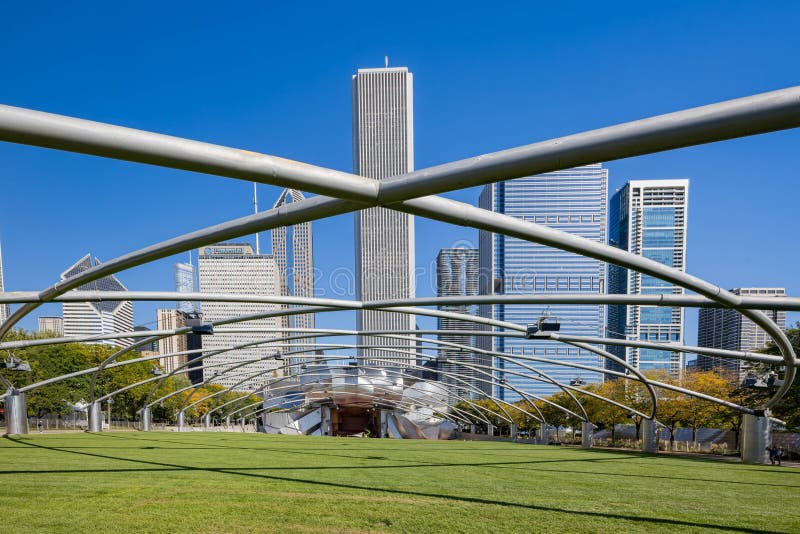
x=255, y=210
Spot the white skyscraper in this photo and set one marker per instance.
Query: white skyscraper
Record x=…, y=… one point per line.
x=235, y=268
x=170, y=320
x=648, y=218
x=383, y=147
x=95, y=318
x=293, y=249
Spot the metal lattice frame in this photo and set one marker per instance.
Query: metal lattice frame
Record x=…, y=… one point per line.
x=413, y=193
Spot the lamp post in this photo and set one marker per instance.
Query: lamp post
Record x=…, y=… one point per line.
x=109, y=402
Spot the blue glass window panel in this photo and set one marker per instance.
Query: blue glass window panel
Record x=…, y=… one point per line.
x=651, y=281
x=654, y=355
x=659, y=217
x=658, y=238
x=656, y=290
x=652, y=366
x=656, y=315
x=663, y=256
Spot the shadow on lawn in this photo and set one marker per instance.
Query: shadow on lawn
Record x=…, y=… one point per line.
x=610, y=456
x=163, y=466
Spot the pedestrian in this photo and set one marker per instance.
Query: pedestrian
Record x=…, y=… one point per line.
x=779, y=454
x=40, y=425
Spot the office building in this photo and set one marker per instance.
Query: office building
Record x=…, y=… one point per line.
x=97, y=318
x=648, y=218
x=724, y=328
x=383, y=147
x=147, y=347
x=573, y=201
x=184, y=283
x=293, y=250
x=170, y=345
x=236, y=268
x=51, y=325
x=457, y=276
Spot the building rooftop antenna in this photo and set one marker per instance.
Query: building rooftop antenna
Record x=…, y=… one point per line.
x=255, y=210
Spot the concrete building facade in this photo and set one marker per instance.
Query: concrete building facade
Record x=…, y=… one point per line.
x=51, y=325
x=236, y=268
x=383, y=147
x=723, y=328
x=96, y=318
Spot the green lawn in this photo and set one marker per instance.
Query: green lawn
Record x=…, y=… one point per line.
x=225, y=482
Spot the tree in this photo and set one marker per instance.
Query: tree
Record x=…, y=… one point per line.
x=788, y=409
x=602, y=413
x=697, y=412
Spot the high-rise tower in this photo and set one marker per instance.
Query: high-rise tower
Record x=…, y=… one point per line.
x=184, y=283
x=572, y=200
x=235, y=268
x=648, y=218
x=457, y=276
x=95, y=318
x=383, y=146
x=724, y=328
x=293, y=250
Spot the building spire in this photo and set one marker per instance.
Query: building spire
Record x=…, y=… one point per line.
x=255, y=210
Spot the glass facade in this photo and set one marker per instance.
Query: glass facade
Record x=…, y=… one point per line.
x=648, y=217
x=573, y=201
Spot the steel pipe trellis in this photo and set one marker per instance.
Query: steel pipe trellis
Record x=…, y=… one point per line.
x=736, y=118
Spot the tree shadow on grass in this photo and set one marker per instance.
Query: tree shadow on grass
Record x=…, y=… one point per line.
x=534, y=465
x=164, y=466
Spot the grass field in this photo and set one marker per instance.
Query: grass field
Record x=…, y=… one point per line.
x=225, y=482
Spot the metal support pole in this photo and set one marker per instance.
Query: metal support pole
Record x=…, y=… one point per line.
x=513, y=431
x=384, y=423
x=207, y=422
x=649, y=436
x=325, y=427
x=146, y=420
x=543, y=435
x=227, y=422
x=756, y=437
x=16, y=414
x=95, y=417
x=181, y=420
x=587, y=434
x=490, y=430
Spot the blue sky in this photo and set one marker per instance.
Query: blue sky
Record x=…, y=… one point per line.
x=488, y=76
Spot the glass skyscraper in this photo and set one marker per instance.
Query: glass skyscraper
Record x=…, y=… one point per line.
x=457, y=276
x=184, y=283
x=648, y=218
x=574, y=201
